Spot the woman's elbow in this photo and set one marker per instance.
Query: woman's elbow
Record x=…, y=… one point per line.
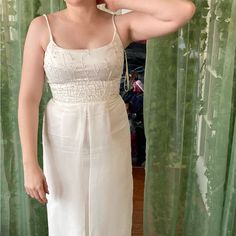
x=192, y=9
x=189, y=11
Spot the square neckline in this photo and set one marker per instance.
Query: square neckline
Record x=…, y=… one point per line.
x=107, y=45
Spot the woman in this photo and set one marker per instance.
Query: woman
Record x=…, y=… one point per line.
x=87, y=172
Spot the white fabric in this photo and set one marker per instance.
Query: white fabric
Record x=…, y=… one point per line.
x=86, y=142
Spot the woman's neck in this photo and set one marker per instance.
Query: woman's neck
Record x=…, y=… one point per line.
x=85, y=11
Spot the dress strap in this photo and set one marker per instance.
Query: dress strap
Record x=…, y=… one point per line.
x=127, y=87
x=50, y=32
x=114, y=26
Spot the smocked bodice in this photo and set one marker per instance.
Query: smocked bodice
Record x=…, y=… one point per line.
x=82, y=75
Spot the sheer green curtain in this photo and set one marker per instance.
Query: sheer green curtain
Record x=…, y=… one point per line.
x=189, y=116
x=20, y=215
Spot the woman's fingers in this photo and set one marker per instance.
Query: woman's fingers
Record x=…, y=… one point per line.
x=45, y=185
x=42, y=195
x=29, y=192
x=39, y=194
x=35, y=183
x=36, y=196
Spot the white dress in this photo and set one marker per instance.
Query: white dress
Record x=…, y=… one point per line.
x=86, y=142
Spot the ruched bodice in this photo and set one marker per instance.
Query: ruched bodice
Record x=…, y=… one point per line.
x=77, y=75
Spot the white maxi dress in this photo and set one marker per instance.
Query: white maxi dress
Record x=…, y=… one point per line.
x=86, y=141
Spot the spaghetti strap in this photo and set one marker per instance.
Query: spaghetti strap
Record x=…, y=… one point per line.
x=50, y=33
x=113, y=22
x=127, y=87
x=114, y=26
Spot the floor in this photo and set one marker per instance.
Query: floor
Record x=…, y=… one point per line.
x=138, y=175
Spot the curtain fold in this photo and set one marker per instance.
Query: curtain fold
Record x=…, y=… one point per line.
x=228, y=224
x=189, y=118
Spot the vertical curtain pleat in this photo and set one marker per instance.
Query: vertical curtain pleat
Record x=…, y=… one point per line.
x=229, y=212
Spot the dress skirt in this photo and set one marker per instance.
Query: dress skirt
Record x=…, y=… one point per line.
x=88, y=168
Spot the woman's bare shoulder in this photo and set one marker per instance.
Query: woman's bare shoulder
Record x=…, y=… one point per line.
x=36, y=26
x=39, y=22
x=38, y=29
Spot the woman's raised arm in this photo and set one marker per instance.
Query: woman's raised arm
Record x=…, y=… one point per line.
x=152, y=18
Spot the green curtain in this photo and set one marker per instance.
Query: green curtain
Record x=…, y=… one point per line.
x=189, y=115
x=190, y=125
x=20, y=215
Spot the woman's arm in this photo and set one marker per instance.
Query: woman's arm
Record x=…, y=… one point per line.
x=30, y=93
x=165, y=10
x=152, y=18
x=31, y=86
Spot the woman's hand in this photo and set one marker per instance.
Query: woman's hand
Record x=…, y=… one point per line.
x=35, y=182
x=110, y=4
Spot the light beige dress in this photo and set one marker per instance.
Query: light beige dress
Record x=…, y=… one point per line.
x=86, y=142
